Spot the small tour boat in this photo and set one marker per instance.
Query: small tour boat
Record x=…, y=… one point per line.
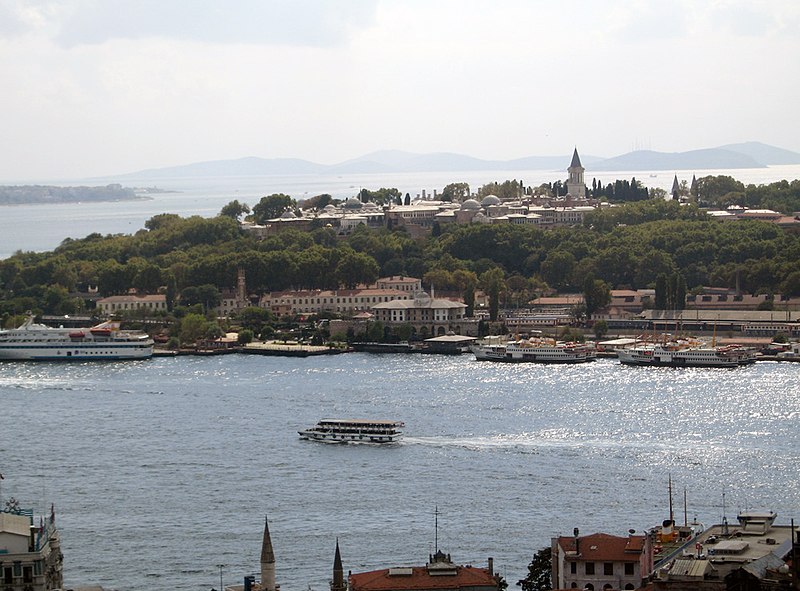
x=354, y=431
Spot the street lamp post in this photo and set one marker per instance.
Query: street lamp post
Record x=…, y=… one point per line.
x=220, y=567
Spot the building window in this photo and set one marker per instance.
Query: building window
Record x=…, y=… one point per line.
x=628, y=568
x=573, y=568
x=590, y=568
x=608, y=568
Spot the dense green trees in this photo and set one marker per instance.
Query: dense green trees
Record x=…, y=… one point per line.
x=382, y=196
x=493, y=284
x=539, y=572
x=318, y=202
x=271, y=207
x=234, y=209
x=628, y=246
x=455, y=192
x=505, y=190
x=596, y=294
x=723, y=191
x=621, y=191
x=670, y=292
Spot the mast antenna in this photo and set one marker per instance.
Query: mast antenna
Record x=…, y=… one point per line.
x=436, y=532
x=685, y=509
x=724, y=516
x=671, y=513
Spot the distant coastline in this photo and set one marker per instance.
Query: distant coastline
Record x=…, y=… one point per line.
x=49, y=194
x=747, y=155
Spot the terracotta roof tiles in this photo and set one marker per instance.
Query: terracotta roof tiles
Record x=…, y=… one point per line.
x=605, y=547
x=380, y=580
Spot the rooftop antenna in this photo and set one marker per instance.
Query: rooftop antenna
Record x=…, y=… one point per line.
x=671, y=513
x=724, y=516
x=436, y=532
x=685, y=509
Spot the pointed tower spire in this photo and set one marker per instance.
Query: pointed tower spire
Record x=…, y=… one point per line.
x=676, y=188
x=576, y=160
x=575, y=184
x=337, y=583
x=267, y=560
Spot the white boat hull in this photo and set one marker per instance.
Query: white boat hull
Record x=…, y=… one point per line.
x=354, y=431
x=36, y=342
x=75, y=352
x=349, y=437
x=688, y=358
x=531, y=354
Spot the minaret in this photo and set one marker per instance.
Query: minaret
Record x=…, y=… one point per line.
x=267, y=561
x=575, y=184
x=337, y=583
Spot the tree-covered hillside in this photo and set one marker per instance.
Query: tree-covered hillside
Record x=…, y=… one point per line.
x=626, y=246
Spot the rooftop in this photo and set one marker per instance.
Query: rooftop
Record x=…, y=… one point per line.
x=603, y=547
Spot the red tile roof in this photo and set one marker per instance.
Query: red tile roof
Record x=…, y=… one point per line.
x=380, y=580
x=604, y=547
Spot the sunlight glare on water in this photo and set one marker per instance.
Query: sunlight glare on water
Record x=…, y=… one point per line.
x=161, y=469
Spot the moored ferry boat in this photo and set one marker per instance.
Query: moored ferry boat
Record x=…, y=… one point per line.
x=536, y=350
x=37, y=342
x=354, y=431
x=683, y=355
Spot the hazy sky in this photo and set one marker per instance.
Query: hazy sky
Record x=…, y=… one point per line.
x=95, y=87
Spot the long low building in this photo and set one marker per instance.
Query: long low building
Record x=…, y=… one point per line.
x=126, y=303
x=340, y=301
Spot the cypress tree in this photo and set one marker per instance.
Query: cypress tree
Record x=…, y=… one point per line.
x=661, y=292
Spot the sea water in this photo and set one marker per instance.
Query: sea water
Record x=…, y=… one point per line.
x=160, y=470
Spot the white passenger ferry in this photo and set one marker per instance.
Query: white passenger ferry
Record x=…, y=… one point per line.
x=679, y=355
x=37, y=342
x=536, y=350
x=354, y=431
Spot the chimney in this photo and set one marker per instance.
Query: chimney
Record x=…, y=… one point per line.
x=576, y=532
x=491, y=566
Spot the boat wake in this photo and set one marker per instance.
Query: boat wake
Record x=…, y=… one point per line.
x=512, y=443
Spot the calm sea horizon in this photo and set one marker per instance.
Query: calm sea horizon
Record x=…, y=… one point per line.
x=43, y=227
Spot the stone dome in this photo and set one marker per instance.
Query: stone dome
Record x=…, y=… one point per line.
x=470, y=204
x=490, y=200
x=422, y=299
x=353, y=203
x=288, y=215
x=329, y=208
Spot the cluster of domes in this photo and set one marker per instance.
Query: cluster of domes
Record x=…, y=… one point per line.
x=473, y=205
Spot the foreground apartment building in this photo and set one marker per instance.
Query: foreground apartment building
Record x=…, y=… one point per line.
x=601, y=561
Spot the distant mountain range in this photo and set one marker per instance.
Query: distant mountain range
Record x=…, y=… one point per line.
x=731, y=156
